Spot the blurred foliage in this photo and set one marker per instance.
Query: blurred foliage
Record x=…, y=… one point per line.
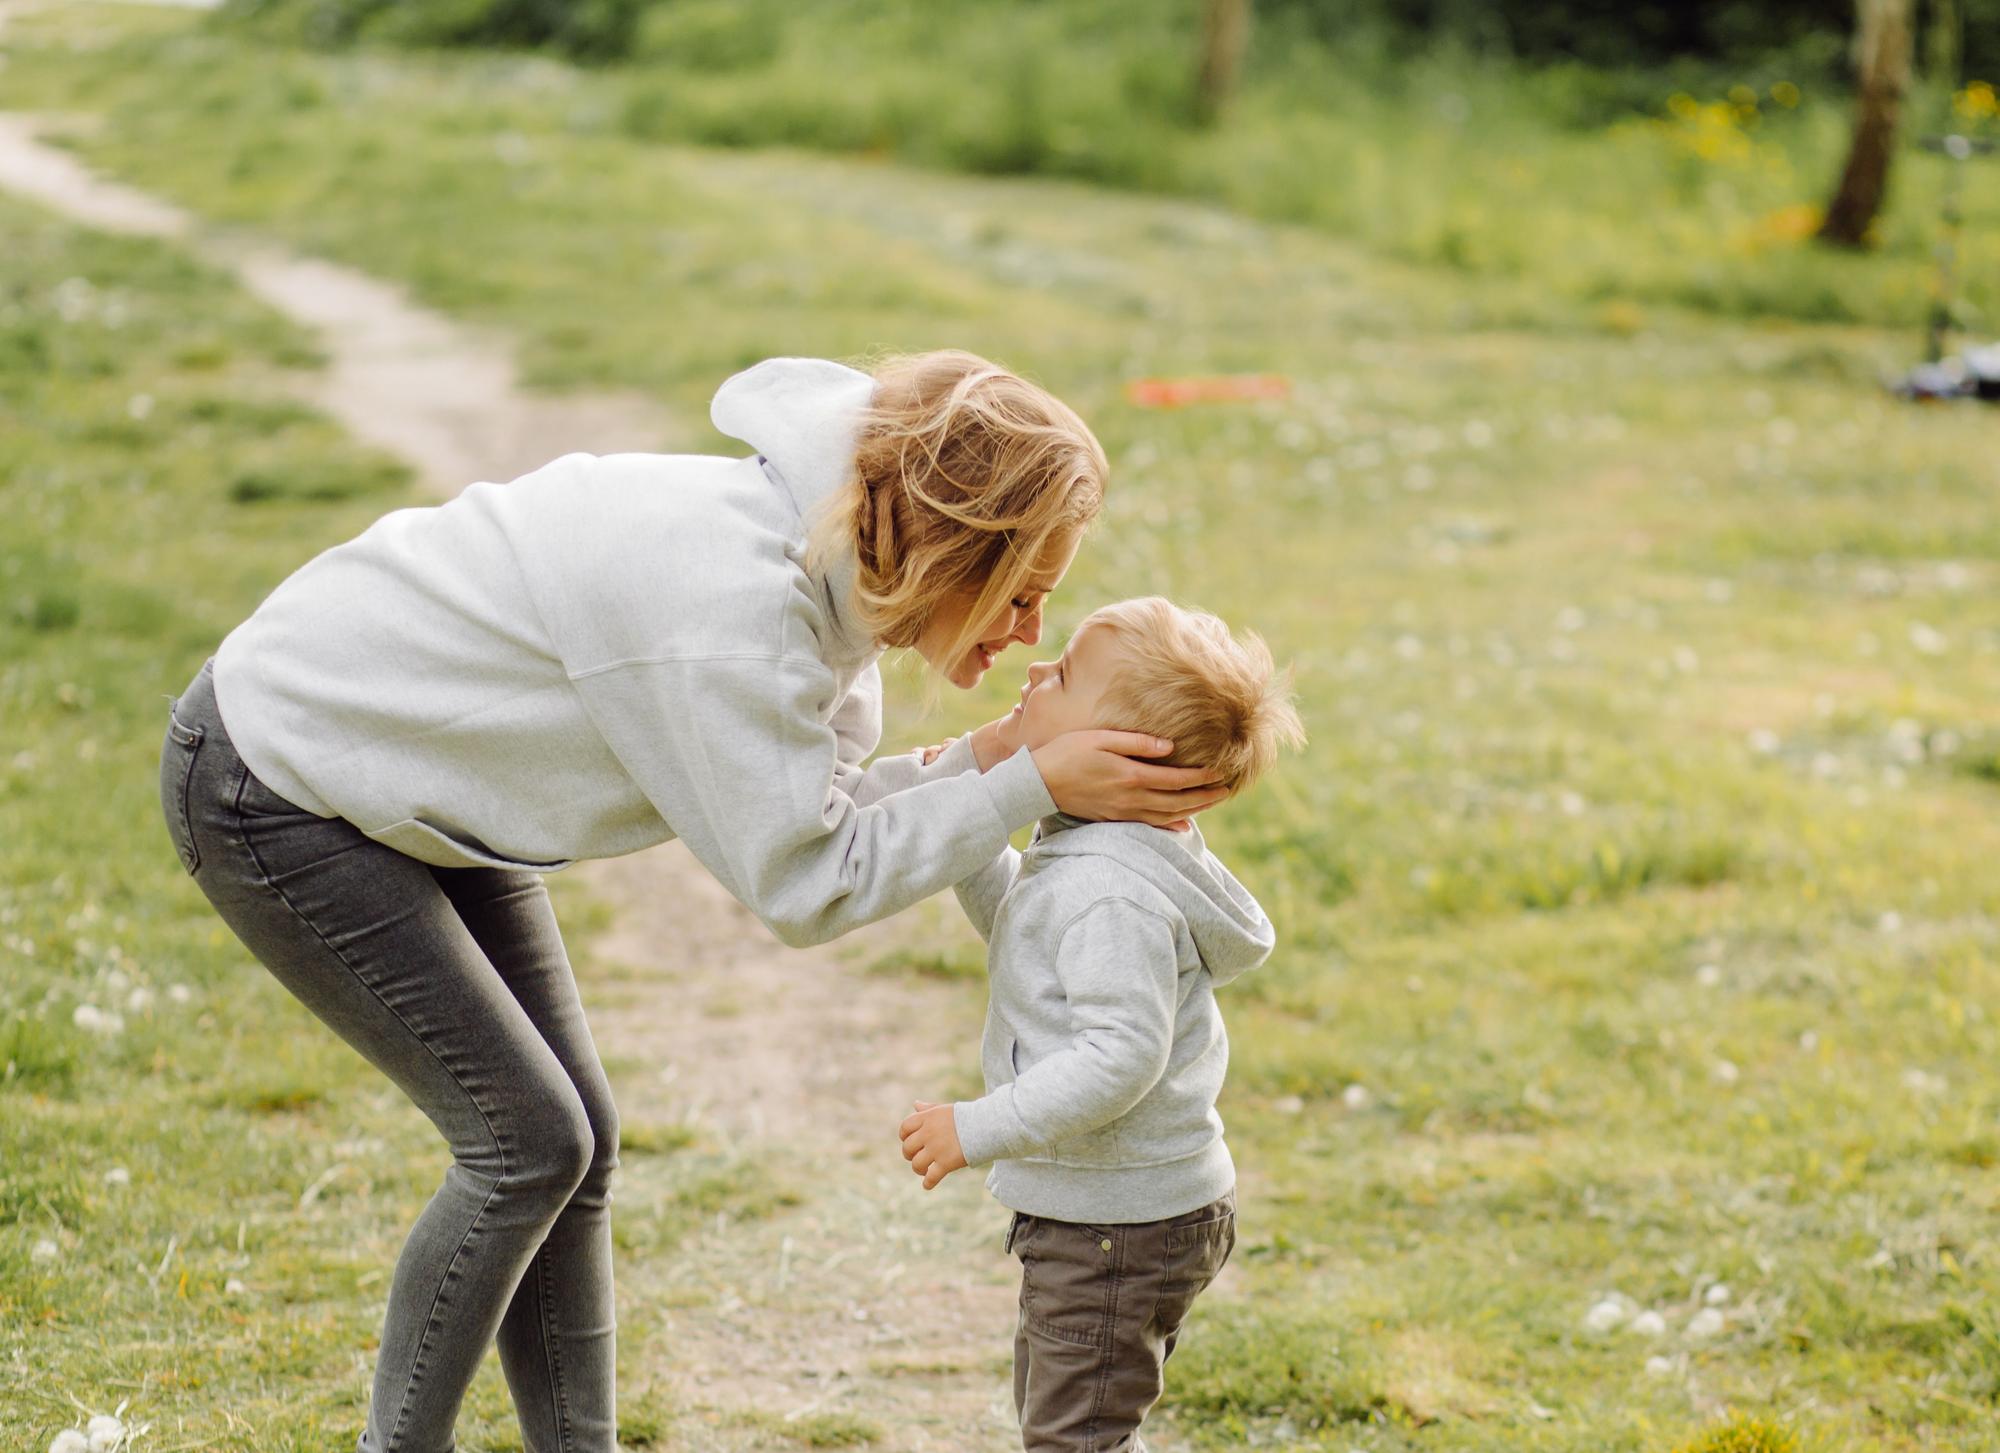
x=1811, y=34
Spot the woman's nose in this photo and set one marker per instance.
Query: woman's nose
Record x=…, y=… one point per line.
x=1028, y=628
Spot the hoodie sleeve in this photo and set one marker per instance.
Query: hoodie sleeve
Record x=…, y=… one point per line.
x=857, y=730
x=1120, y=972
x=980, y=894
x=738, y=755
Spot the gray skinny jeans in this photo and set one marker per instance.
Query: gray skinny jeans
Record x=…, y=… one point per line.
x=454, y=983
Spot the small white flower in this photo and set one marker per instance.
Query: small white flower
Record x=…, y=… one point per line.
x=1356, y=1097
x=1659, y=1366
x=233, y=1287
x=106, y=1433
x=45, y=1250
x=1725, y=1072
x=1765, y=742
x=1571, y=619
x=1648, y=1324
x=180, y=993
x=1571, y=803
x=139, y=406
x=1719, y=591
x=118, y=1176
x=1409, y=647
x=1288, y=1104
x=1924, y=1083
x=92, y=1020
x=1928, y=640
x=1686, y=661
x=139, y=1000
x=1604, y=1316
x=1825, y=765
x=1705, y=1323
x=69, y=1440
x=1890, y=922
x=1708, y=975
x=1716, y=1295
x=1808, y=1041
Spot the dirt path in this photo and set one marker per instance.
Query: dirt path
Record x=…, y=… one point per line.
x=857, y=1295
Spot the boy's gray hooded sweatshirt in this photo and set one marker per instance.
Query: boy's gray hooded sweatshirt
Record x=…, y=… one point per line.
x=1104, y=1049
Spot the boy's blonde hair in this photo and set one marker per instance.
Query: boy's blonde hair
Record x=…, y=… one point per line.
x=965, y=477
x=1219, y=699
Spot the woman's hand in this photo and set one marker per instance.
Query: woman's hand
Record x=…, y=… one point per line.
x=928, y=755
x=1094, y=774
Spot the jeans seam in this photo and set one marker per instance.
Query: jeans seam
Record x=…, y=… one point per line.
x=544, y=1299
x=1107, y=1356
x=451, y=1266
x=431, y=1318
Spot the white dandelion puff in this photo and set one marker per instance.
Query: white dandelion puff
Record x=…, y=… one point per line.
x=1706, y=1323
x=1604, y=1316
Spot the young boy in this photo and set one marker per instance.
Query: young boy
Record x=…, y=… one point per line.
x=1103, y=1049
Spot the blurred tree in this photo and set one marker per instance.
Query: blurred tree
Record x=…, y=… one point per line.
x=1882, y=58
x=1225, y=27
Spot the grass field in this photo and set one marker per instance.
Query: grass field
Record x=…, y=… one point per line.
x=1694, y=184
x=1636, y=896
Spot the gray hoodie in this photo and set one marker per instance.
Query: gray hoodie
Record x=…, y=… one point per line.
x=609, y=652
x=1104, y=1049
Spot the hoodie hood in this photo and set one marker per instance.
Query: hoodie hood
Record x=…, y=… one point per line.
x=1231, y=932
x=803, y=417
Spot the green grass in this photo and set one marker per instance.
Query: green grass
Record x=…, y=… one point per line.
x=1686, y=186
x=1639, y=869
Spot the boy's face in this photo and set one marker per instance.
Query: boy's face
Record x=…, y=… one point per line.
x=1063, y=695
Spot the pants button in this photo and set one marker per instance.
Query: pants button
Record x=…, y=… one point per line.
x=1105, y=1244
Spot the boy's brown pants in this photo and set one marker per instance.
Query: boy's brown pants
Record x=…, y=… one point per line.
x=1101, y=1309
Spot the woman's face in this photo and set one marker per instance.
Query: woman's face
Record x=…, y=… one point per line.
x=1019, y=619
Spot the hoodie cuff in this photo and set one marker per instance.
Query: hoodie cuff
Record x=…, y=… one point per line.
x=988, y=1130
x=954, y=761
x=1016, y=788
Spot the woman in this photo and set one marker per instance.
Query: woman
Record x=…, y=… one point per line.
x=601, y=655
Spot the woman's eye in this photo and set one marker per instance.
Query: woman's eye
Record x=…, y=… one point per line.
x=1021, y=604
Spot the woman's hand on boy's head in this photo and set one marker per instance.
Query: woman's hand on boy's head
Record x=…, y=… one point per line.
x=1098, y=774
x=930, y=1142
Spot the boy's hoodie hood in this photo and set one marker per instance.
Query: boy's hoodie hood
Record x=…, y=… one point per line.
x=1230, y=931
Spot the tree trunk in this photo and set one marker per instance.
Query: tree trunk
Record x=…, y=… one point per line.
x=1882, y=56
x=1225, y=27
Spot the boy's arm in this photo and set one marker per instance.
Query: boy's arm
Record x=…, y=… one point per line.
x=1120, y=971
x=857, y=730
x=980, y=894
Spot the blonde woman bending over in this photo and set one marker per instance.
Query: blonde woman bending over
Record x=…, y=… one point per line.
x=369, y=776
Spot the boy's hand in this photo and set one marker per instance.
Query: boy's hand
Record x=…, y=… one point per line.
x=931, y=754
x=930, y=1143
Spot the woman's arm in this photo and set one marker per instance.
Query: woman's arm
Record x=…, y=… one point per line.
x=736, y=754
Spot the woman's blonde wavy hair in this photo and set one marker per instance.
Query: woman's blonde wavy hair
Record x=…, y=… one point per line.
x=964, y=478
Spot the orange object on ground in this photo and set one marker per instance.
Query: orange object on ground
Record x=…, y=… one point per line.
x=1176, y=393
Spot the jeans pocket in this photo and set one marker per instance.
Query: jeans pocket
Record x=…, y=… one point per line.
x=177, y=758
